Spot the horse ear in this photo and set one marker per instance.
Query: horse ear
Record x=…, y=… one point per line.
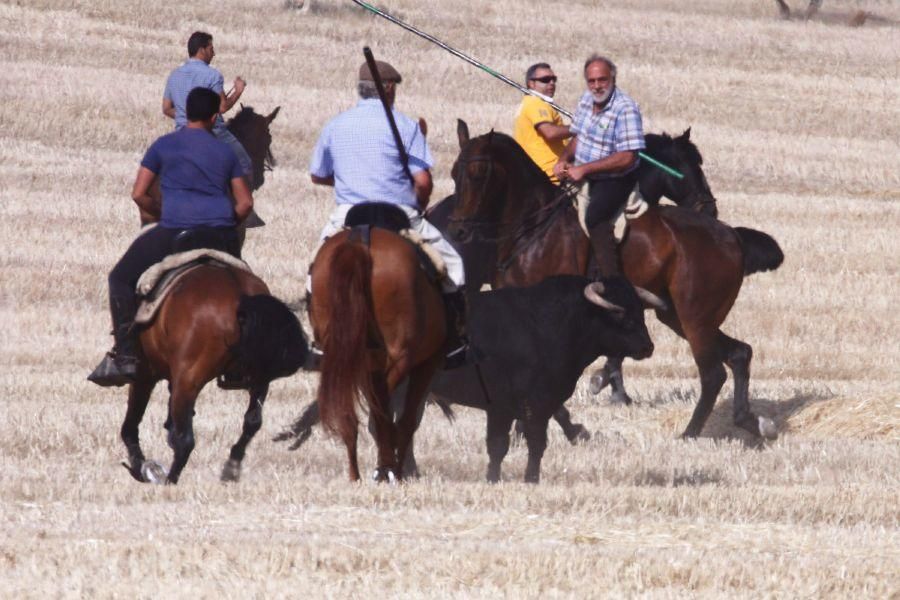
x=242, y=105
x=462, y=132
x=273, y=114
x=687, y=134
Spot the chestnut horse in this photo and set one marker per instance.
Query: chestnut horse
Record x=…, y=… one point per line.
x=694, y=262
x=217, y=320
x=379, y=321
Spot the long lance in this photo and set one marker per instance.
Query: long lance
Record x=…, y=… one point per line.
x=500, y=76
x=376, y=77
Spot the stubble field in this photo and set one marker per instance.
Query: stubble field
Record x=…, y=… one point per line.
x=799, y=126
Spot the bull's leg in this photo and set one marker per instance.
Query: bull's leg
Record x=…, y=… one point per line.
x=738, y=356
x=611, y=374
x=498, y=425
x=536, y=437
x=181, y=435
x=252, y=423
x=138, y=398
x=574, y=432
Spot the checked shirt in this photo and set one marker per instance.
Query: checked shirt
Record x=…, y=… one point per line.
x=616, y=128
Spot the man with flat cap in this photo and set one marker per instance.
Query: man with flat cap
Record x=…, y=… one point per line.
x=357, y=155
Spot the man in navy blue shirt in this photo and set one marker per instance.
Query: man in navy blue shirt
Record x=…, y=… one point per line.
x=196, y=173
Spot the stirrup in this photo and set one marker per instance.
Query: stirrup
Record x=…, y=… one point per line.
x=114, y=373
x=457, y=357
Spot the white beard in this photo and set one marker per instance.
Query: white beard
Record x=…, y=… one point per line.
x=601, y=98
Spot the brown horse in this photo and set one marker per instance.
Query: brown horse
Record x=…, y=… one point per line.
x=218, y=319
x=379, y=321
x=252, y=131
x=689, y=259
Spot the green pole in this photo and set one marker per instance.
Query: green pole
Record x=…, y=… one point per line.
x=500, y=76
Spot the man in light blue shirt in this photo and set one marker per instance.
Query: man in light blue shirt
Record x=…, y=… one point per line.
x=357, y=155
x=196, y=72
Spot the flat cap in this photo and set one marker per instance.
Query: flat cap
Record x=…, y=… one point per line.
x=385, y=70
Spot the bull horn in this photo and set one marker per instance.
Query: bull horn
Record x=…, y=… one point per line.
x=650, y=299
x=593, y=293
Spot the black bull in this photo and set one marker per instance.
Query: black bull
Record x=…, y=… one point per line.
x=535, y=343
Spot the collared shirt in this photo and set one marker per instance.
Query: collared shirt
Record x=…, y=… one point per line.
x=616, y=128
x=532, y=112
x=193, y=73
x=358, y=149
x=195, y=171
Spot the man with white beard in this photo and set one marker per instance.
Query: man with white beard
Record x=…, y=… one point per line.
x=608, y=135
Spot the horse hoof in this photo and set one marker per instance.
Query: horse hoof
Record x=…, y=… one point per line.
x=153, y=472
x=599, y=381
x=767, y=428
x=231, y=471
x=384, y=475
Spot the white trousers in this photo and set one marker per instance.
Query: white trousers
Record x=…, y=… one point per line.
x=430, y=233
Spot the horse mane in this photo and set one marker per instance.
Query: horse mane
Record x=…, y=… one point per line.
x=532, y=174
x=662, y=144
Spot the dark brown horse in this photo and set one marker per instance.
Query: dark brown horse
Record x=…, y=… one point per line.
x=252, y=131
x=689, y=259
x=379, y=321
x=218, y=319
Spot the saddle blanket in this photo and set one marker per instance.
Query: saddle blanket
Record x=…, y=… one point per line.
x=157, y=281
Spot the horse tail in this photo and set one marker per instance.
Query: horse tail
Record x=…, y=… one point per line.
x=272, y=343
x=345, y=365
x=761, y=251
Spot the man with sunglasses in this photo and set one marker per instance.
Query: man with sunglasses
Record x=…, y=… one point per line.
x=539, y=128
x=608, y=135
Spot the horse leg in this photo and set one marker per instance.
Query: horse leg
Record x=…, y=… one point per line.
x=138, y=398
x=712, y=378
x=498, y=425
x=738, y=355
x=536, y=438
x=350, y=437
x=611, y=374
x=181, y=435
x=419, y=379
x=385, y=432
x=252, y=422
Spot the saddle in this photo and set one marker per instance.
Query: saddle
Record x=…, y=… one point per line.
x=160, y=279
x=362, y=217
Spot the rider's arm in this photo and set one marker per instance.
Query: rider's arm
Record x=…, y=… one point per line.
x=243, y=199
x=168, y=108
x=565, y=158
x=551, y=132
x=614, y=163
x=422, y=185
x=231, y=99
x=150, y=208
x=323, y=180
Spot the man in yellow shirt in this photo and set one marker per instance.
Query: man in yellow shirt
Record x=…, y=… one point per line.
x=539, y=128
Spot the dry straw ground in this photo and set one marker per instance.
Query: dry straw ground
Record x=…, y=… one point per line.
x=799, y=124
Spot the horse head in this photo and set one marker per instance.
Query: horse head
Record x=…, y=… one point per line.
x=480, y=176
x=680, y=152
x=252, y=131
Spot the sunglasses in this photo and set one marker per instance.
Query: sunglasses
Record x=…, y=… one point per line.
x=547, y=79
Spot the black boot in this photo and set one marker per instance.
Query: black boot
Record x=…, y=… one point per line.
x=120, y=366
x=457, y=342
x=605, y=247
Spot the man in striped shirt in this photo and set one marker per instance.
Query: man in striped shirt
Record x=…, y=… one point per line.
x=608, y=135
